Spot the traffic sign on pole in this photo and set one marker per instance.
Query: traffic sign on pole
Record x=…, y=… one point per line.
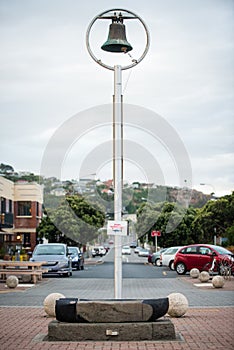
x=117, y=227
x=155, y=233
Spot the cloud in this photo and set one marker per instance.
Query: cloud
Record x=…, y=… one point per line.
x=47, y=75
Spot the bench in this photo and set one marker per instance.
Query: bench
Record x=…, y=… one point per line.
x=35, y=274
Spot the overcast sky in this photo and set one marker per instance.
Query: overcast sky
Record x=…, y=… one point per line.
x=186, y=79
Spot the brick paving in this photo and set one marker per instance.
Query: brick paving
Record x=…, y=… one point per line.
x=24, y=328
x=208, y=323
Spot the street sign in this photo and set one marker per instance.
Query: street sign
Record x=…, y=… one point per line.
x=117, y=227
x=155, y=233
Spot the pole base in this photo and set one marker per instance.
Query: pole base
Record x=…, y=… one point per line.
x=136, y=331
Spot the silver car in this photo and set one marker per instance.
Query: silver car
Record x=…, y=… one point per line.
x=155, y=258
x=56, y=258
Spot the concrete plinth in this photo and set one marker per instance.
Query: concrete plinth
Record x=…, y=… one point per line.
x=135, y=331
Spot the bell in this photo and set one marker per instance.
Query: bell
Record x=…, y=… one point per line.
x=117, y=41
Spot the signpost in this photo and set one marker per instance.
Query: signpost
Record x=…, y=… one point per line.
x=117, y=227
x=156, y=234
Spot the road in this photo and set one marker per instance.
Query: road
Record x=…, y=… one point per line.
x=140, y=281
x=132, y=267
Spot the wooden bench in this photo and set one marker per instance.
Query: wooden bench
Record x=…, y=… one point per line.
x=35, y=274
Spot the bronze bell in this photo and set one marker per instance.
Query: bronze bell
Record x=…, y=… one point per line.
x=117, y=41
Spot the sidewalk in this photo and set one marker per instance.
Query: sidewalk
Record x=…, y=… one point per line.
x=24, y=328
x=208, y=324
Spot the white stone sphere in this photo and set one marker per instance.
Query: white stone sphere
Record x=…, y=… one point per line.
x=218, y=281
x=12, y=281
x=178, y=305
x=194, y=273
x=204, y=276
x=50, y=301
x=26, y=278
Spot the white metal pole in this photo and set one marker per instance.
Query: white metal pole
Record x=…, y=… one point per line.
x=118, y=173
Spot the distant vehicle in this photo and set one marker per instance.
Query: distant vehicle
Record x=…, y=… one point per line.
x=155, y=257
x=204, y=257
x=133, y=245
x=137, y=249
x=167, y=257
x=77, y=258
x=98, y=251
x=126, y=250
x=56, y=257
x=143, y=252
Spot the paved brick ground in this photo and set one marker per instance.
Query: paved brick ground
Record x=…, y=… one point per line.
x=208, y=324
x=23, y=328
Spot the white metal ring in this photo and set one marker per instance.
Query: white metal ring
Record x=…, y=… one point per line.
x=122, y=67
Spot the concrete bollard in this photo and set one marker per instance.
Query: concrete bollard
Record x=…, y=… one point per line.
x=12, y=281
x=218, y=281
x=178, y=305
x=50, y=301
x=204, y=276
x=194, y=273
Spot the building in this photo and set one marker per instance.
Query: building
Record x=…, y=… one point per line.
x=21, y=213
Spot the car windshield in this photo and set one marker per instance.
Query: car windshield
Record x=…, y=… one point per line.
x=50, y=250
x=72, y=250
x=222, y=251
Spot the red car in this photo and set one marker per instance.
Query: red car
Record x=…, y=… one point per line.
x=204, y=257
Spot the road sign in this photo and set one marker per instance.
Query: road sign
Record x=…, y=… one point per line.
x=117, y=227
x=156, y=233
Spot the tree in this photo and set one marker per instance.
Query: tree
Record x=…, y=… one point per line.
x=171, y=219
x=216, y=217
x=6, y=169
x=75, y=219
x=230, y=235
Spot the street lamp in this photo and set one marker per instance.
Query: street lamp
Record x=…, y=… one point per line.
x=117, y=43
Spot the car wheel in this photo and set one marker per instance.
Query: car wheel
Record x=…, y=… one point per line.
x=157, y=262
x=66, y=274
x=171, y=265
x=180, y=268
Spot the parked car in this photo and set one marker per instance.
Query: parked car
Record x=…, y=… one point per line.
x=167, y=257
x=56, y=257
x=133, y=245
x=77, y=258
x=143, y=252
x=155, y=257
x=98, y=251
x=201, y=256
x=137, y=249
x=126, y=250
